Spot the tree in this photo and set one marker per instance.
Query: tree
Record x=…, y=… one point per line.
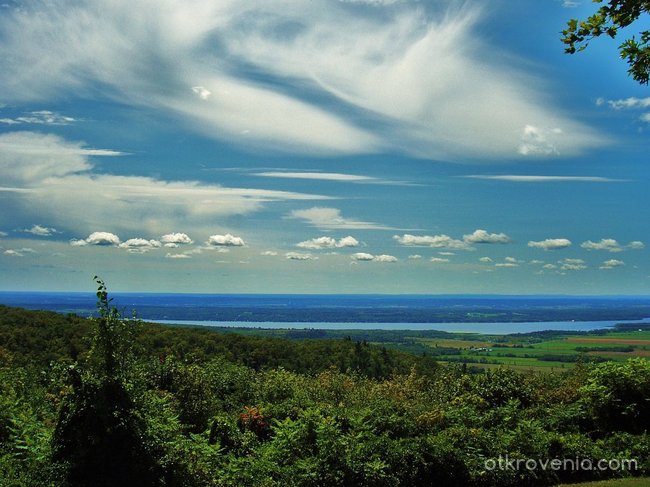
x=608, y=20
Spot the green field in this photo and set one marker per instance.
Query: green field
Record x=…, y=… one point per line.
x=533, y=352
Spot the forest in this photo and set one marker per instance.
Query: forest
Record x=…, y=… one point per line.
x=114, y=401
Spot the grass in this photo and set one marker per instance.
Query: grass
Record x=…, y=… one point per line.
x=628, y=482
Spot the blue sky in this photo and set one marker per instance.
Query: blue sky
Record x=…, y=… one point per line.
x=352, y=146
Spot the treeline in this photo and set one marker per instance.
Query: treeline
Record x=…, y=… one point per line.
x=40, y=337
x=155, y=406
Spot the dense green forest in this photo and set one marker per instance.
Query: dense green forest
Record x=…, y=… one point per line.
x=112, y=401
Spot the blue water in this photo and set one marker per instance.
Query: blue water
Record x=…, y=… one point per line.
x=485, y=328
x=454, y=313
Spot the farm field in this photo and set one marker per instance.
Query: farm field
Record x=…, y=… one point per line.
x=538, y=353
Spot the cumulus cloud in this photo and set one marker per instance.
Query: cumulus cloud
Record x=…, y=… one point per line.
x=415, y=257
x=572, y=264
x=485, y=260
x=41, y=231
x=612, y=263
x=536, y=141
x=611, y=245
x=416, y=71
x=434, y=241
x=550, y=244
x=631, y=102
x=328, y=243
x=438, y=260
x=140, y=245
x=202, y=93
x=181, y=255
x=226, y=240
x=506, y=264
x=97, y=238
x=50, y=177
x=483, y=237
x=176, y=239
x=299, y=256
x=389, y=259
x=269, y=253
x=365, y=257
x=331, y=219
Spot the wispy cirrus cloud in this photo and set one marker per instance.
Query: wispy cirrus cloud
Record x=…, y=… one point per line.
x=327, y=218
x=523, y=178
x=321, y=176
x=55, y=179
x=407, y=78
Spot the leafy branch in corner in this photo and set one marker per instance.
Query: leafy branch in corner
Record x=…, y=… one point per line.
x=609, y=20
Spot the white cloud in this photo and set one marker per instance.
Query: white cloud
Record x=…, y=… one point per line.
x=550, y=244
x=328, y=243
x=19, y=252
x=612, y=263
x=176, y=239
x=182, y=255
x=434, y=241
x=140, y=245
x=322, y=176
x=485, y=260
x=299, y=256
x=388, y=259
x=41, y=231
x=53, y=178
x=572, y=264
x=3, y=234
x=611, y=245
x=645, y=118
x=608, y=244
x=536, y=141
x=511, y=260
x=102, y=239
x=631, y=102
x=41, y=117
x=521, y=178
x=415, y=257
x=226, y=240
x=438, y=260
x=418, y=71
x=483, y=237
x=363, y=256
x=506, y=264
x=269, y=253
x=331, y=219
x=201, y=92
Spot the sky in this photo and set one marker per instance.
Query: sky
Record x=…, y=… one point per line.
x=323, y=146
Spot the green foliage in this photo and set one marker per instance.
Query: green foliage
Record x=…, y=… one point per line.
x=617, y=396
x=609, y=20
x=185, y=410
